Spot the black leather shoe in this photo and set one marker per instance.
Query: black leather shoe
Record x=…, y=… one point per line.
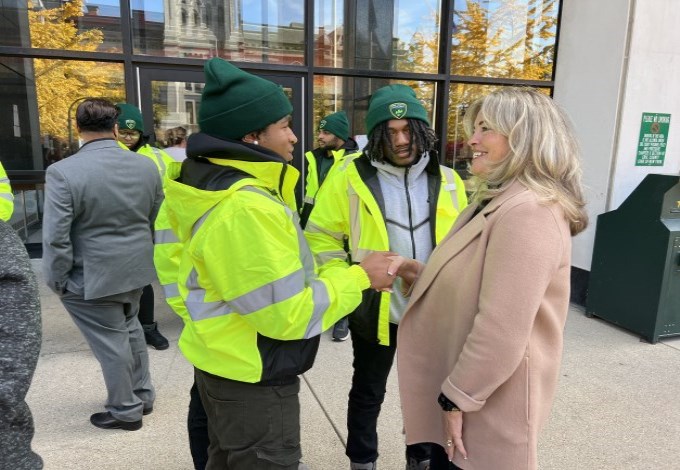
x=106, y=421
x=154, y=337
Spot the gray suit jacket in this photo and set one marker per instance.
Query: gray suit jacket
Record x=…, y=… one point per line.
x=100, y=205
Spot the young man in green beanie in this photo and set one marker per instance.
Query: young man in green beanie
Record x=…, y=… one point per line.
x=394, y=197
x=254, y=303
x=335, y=146
x=131, y=137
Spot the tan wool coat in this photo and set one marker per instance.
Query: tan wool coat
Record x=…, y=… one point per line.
x=484, y=326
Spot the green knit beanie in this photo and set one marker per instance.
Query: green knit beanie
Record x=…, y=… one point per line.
x=130, y=117
x=235, y=102
x=394, y=102
x=337, y=124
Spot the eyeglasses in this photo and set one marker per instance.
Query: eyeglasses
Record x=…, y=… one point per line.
x=129, y=134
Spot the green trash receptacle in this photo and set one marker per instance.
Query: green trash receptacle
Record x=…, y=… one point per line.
x=635, y=271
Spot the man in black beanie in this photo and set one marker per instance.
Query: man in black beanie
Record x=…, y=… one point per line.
x=335, y=147
x=254, y=304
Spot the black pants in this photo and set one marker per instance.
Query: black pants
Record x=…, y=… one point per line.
x=197, y=426
x=251, y=426
x=146, y=304
x=439, y=460
x=372, y=364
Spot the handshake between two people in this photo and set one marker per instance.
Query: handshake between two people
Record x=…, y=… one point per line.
x=383, y=267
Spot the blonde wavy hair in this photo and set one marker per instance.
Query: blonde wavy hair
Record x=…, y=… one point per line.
x=544, y=153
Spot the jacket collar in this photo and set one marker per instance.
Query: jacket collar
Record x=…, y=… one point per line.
x=97, y=144
x=512, y=188
x=466, y=229
x=208, y=146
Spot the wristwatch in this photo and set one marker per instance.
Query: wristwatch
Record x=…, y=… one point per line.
x=446, y=404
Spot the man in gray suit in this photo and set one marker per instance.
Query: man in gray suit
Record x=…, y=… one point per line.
x=98, y=255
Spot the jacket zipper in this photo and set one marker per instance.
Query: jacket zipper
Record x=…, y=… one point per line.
x=410, y=213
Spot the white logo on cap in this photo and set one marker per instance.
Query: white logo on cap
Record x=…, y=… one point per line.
x=398, y=110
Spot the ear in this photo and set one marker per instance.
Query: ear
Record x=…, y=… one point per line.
x=250, y=138
x=115, y=131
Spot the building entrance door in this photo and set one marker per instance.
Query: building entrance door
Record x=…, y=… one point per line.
x=171, y=97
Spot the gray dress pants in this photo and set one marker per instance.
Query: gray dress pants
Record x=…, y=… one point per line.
x=111, y=328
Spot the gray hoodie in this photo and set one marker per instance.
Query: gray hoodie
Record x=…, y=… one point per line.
x=407, y=218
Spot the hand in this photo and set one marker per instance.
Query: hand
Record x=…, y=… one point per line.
x=407, y=269
x=453, y=430
x=376, y=266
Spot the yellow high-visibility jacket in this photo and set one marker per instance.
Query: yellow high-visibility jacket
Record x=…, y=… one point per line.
x=347, y=224
x=6, y=196
x=168, y=249
x=349, y=151
x=254, y=304
x=158, y=156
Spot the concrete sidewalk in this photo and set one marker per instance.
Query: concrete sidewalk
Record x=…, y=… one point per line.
x=617, y=405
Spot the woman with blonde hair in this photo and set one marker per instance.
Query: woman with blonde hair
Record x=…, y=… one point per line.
x=481, y=340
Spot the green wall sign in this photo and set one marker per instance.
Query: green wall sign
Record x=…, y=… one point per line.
x=651, y=149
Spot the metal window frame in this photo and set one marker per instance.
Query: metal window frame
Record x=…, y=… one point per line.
x=442, y=79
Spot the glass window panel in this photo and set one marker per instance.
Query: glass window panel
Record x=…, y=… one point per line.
x=504, y=38
x=44, y=94
x=351, y=94
x=69, y=25
x=245, y=30
x=461, y=96
x=377, y=34
x=174, y=104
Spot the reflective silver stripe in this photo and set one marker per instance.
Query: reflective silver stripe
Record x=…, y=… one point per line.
x=354, y=223
x=199, y=223
x=159, y=159
x=7, y=196
x=451, y=185
x=269, y=294
x=170, y=290
x=348, y=159
x=309, y=199
x=320, y=295
x=195, y=302
x=324, y=257
x=4, y=180
x=313, y=228
x=165, y=236
x=321, y=304
x=272, y=293
x=361, y=253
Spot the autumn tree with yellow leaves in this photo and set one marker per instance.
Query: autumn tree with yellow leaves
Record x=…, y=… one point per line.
x=59, y=83
x=497, y=39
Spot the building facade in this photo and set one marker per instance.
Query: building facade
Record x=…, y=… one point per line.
x=331, y=55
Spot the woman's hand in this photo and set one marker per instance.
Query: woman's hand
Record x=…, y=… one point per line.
x=453, y=430
x=407, y=269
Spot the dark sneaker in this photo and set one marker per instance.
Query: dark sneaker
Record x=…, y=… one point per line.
x=413, y=464
x=154, y=337
x=341, y=330
x=363, y=466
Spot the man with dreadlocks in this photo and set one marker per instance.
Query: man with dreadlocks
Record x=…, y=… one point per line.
x=394, y=197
